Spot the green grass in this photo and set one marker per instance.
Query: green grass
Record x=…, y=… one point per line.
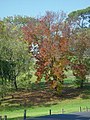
x=70, y=105
x=70, y=102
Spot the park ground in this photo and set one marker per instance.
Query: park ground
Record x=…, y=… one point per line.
x=40, y=99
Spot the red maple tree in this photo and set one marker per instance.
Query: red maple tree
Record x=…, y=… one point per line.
x=50, y=33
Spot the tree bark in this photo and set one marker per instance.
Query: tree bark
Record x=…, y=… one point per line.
x=81, y=85
x=15, y=83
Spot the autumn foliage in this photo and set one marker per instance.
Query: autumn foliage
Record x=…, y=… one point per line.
x=49, y=33
x=52, y=40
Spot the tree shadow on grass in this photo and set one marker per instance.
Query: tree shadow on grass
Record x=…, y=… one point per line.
x=86, y=92
x=40, y=94
x=73, y=92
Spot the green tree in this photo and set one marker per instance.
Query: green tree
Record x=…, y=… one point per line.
x=80, y=18
x=14, y=55
x=79, y=43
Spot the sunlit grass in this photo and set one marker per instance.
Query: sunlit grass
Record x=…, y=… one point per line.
x=70, y=105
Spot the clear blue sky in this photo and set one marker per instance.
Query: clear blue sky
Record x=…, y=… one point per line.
x=36, y=8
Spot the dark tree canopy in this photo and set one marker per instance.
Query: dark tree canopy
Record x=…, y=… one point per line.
x=81, y=17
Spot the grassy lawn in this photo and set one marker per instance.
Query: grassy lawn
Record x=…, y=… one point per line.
x=69, y=101
x=71, y=105
x=40, y=99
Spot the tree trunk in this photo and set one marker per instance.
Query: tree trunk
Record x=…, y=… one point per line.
x=81, y=85
x=2, y=81
x=15, y=83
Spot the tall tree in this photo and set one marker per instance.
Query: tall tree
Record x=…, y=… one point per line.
x=14, y=55
x=80, y=18
x=48, y=39
x=79, y=42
